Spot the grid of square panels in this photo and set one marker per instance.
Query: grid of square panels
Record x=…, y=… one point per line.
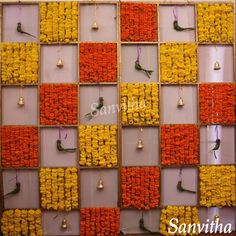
x=140, y=73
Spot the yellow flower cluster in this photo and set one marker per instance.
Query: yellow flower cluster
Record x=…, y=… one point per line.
x=59, y=188
x=21, y=222
x=215, y=22
x=184, y=214
x=139, y=103
x=59, y=22
x=178, y=62
x=19, y=63
x=98, y=145
x=217, y=186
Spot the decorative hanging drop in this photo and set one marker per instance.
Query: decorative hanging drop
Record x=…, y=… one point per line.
x=60, y=63
x=100, y=185
x=21, y=100
x=217, y=219
x=140, y=144
x=217, y=66
x=95, y=24
x=180, y=102
x=64, y=224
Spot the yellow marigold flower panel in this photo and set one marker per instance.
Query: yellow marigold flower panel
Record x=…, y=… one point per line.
x=178, y=62
x=19, y=63
x=98, y=145
x=217, y=186
x=59, y=188
x=215, y=22
x=139, y=104
x=184, y=214
x=59, y=22
x=21, y=222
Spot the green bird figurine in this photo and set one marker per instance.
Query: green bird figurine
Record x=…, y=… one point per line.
x=140, y=68
x=98, y=107
x=217, y=145
x=15, y=190
x=142, y=227
x=62, y=149
x=181, y=189
x=19, y=29
x=179, y=28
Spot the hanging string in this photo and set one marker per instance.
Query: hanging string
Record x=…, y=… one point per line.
x=60, y=133
x=180, y=174
x=138, y=53
x=175, y=13
x=19, y=11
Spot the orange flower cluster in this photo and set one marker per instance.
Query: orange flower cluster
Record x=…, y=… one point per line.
x=138, y=22
x=98, y=62
x=19, y=146
x=179, y=144
x=140, y=187
x=99, y=221
x=217, y=103
x=58, y=104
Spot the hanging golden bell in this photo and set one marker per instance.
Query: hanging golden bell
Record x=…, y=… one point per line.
x=21, y=101
x=100, y=184
x=180, y=102
x=95, y=25
x=217, y=66
x=60, y=63
x=64, y=224
x=140, y=144
x=216, y=219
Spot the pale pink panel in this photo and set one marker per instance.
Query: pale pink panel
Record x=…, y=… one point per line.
x=90, y=95
x=149, y=155
x=148, y=60
x=50, y=156
x=28, y=197
x=171, y=113
x=106, y=21
x=130, y=221
x=169, y=193
x=12, y=113
x=50, y=55
x=91, y=196
x=226, y=153
x=27, y=15
x=186, y=18
x=208, y=55
x=227, y=216
x=51, y=223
